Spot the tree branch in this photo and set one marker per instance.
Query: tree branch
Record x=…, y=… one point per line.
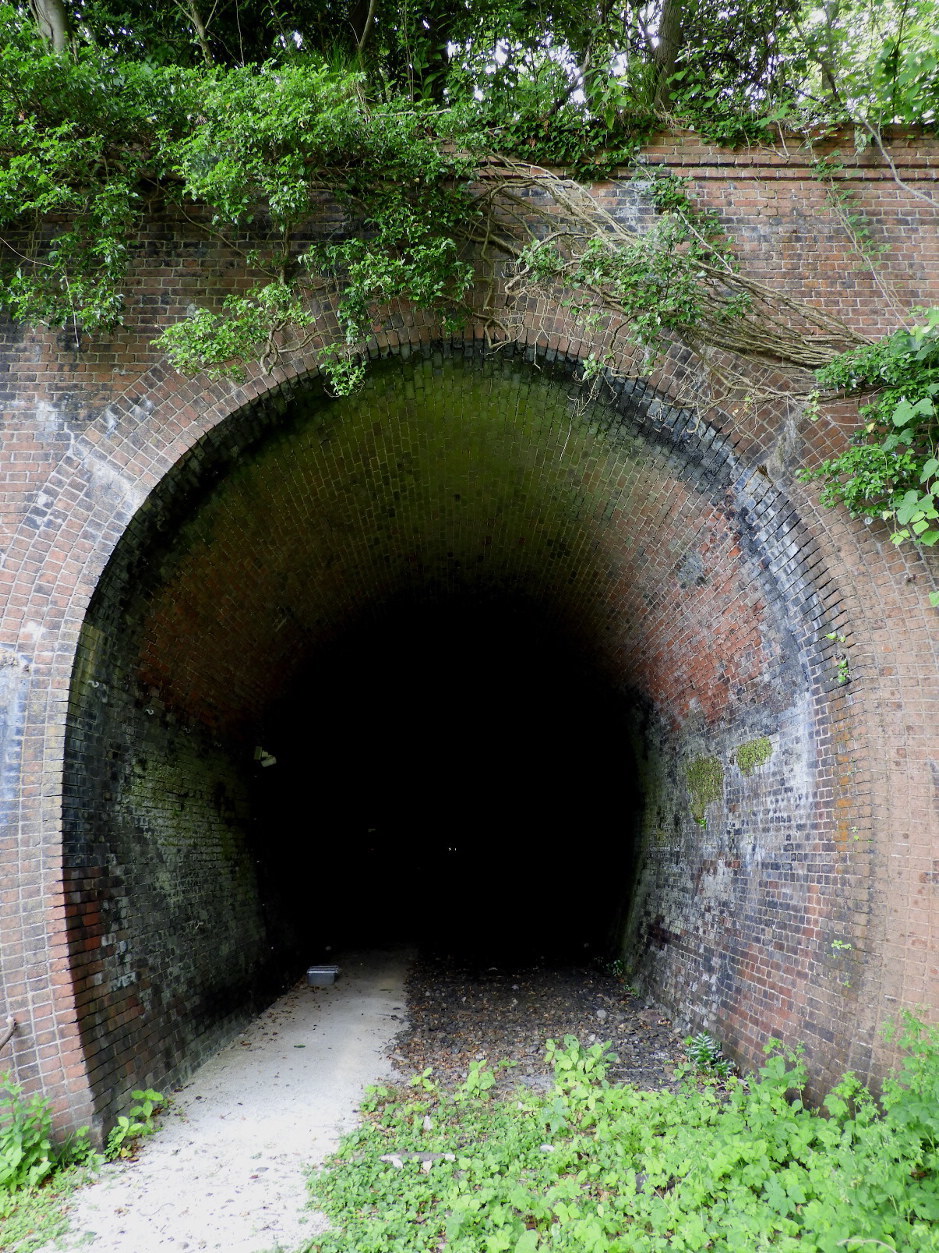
x=7, y=1033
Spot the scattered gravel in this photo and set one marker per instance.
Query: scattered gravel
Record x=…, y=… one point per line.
x=460, y=1012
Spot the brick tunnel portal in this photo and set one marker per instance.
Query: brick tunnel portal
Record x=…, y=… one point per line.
x=460, y=654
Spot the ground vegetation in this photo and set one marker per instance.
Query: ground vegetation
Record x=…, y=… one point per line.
x=724, y=1163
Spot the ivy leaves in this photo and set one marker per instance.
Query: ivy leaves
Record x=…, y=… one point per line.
x=261, y=138
x=891, y=470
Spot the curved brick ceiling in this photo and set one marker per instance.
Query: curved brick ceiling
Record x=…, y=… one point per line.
x=437, y=482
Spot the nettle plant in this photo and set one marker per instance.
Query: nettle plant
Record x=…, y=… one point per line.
x=591, y=1166
x=890, y=471
x=28, y=1156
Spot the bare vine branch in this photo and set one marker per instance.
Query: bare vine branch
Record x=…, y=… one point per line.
x=737, y=317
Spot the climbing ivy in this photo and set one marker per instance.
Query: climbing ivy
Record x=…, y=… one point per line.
x=890, y=471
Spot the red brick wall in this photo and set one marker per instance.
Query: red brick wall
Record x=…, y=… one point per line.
x=701, y=575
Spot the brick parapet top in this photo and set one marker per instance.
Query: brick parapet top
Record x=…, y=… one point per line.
x=909, y=150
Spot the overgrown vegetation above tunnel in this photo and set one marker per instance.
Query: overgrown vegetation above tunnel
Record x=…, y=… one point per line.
x=391, y=109
x=421, y=132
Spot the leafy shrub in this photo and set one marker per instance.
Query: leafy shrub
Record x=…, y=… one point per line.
x=891, y=469
x=592, y=1168
x=28, y=1156
x=137, y=1122
x=26, y=1153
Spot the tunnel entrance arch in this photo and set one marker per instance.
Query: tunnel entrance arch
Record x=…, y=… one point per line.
x=468, y=526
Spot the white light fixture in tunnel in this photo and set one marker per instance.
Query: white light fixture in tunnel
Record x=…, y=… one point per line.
x=264, y=758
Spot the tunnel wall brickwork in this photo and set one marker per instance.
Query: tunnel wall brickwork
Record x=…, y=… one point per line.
x=712, y=592
x=452, y=477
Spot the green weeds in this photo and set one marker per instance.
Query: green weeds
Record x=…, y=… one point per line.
x=37, y=1177
x=137, y=1122
x=28, y=1156
x=890, y=470
x=590, y=1168
x=706, y=1057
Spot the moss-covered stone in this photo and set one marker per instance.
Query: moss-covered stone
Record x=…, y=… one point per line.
x=705, y=780
x=754, y=753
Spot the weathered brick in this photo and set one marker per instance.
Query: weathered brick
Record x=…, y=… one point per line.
x=166, y=541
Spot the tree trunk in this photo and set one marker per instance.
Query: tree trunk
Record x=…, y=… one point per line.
x=54, y=25
x=361, y=16
x=666, y=52
x=198, y=26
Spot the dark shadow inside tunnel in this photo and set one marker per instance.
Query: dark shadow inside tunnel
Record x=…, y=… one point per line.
x=455, y=775
x=460, y=661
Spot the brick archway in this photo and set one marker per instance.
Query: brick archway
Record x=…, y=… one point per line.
x=82, y=465
x=690, y=575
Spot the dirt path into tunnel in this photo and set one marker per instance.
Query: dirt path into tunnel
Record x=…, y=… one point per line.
x=227, y=1168
x=463, y=1009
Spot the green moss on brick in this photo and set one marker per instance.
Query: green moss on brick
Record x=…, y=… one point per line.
x=705, y=780
x=754, y=753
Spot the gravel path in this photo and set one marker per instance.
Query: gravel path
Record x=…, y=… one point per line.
x=226, y=1171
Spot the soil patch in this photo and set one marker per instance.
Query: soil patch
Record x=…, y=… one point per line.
x=461, y=1011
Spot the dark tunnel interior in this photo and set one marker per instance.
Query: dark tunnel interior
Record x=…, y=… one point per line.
x=457, y=661
x=455, y=775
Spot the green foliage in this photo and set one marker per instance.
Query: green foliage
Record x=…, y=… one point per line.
x=547, y=79
x=28, y=1157
x=33, y=1218
x=244, y=122
x=733, y=70
x=526, y=111
x=891, y=469
x=62, y=125
x=251, y=149
x=138, y=1121
x=753, y=753
x=478, y=1083
x=224, y=344
x=842, y=664
x=706, y=1056
x=655, y=284
x=26, y=1153
x=704, y=778
x=869, y=62
x=589, y=1166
